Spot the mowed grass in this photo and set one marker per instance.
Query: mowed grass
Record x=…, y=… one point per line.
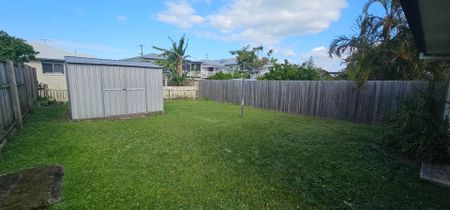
x=201, y=155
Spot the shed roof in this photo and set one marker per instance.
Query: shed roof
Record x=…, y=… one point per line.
x=429, y=22
x=96, y=61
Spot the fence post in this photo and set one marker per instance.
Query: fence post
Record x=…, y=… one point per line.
x=35, y=85
x=14, y=93
x=45, y=90
x=29, y=85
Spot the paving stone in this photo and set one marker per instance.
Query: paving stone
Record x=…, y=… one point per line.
x=32, y=188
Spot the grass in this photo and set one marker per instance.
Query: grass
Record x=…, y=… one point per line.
x=201, y=155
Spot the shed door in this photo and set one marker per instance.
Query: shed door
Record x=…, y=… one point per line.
x=135, y=93
x=124, y=91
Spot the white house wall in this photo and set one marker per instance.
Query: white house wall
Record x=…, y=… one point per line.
x=55, y=81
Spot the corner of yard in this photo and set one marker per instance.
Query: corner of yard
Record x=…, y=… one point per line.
x=201, y=155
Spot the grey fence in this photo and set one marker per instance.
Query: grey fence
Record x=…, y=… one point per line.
x=18, y=91
x=327, y=99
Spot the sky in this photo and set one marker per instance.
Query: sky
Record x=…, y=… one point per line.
x=114, y=29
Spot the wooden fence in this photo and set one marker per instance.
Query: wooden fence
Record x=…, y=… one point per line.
x=57, y=95
x=169, y=92
x=327, y=99
x=176, y=92
x=18, y=91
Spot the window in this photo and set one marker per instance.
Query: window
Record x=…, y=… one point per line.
x=210, y=68
x=52, y=67
x=188, y=67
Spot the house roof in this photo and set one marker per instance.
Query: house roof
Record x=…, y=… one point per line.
x=153, y=56
x=221, y=62
x=229, y=61
x=50, y=52
x=210, y=62
x=96, y=61
x=429, y=22
x=146, y=57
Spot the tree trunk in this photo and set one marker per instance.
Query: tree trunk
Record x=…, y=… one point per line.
x=180, y=68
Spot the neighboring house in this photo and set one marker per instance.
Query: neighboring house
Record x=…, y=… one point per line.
x=262, y=71
x=154, y=58
x=202, y=69
x=211, y=67
x=195, y=69
x=50, y=66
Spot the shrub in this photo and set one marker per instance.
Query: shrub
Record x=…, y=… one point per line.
x=289, y=71
x=233, y=75
x=419, y=129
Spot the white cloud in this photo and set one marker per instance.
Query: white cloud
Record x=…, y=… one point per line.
x=180, y=14
x=268, y=21
x=121, y=18
x=321, y=59
x=286, y=52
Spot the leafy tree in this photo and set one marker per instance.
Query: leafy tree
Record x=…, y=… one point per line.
x=175, y=57
x=289, y=71
x=15, y=49
x=249, y=58
x=233, y=75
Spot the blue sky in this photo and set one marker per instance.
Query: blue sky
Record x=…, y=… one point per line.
x=296, y=29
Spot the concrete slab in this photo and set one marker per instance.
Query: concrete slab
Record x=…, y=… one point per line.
x=437, y=174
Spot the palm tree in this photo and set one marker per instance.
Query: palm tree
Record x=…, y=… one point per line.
x=392, y=18
x=381, y=48
x=372, y=30
x=364, y=37
x=175, y=55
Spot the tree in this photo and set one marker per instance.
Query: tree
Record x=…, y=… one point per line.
x=289, y=71
x=15, y=49
x=383, y=48
x=249, y=58
x=175, y=57
x=232, y=75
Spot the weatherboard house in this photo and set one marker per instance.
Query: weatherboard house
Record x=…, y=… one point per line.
x=49, y=65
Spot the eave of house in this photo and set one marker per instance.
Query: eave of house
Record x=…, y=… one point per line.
x=429, y=21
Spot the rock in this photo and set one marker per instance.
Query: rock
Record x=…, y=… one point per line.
x=437, y=174
x=31, y=188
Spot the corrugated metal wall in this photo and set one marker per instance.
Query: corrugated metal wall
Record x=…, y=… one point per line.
x=104, y=90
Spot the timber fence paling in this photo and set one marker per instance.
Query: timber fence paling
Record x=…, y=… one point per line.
x=18, y=91
x=342, y=100
x=175, y=92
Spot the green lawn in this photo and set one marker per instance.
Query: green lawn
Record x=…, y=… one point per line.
x=201, y=155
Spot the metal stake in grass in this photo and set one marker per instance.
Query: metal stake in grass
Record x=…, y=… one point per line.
x=242, y=97
x=251, y=71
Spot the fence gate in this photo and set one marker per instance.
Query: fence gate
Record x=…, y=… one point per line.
x=124, y=91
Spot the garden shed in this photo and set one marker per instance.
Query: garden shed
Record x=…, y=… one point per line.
x=103, y=88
